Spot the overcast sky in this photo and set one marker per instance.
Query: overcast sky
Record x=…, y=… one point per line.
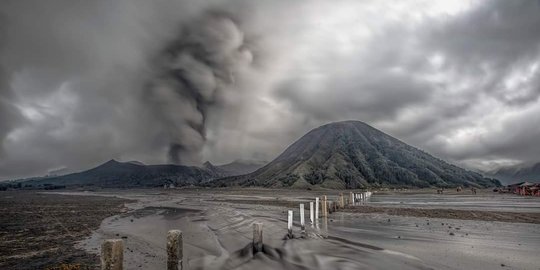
x=167, y=81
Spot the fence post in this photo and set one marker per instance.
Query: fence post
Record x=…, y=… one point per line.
x=341, y=202
x=311, y=212
x=112, y=254
x=257, y=237
x=330, y=207
x=325, y=206
x=175, y=252
x=352, y=198
x=289, y=224
x=302, y=218
x=317, y=208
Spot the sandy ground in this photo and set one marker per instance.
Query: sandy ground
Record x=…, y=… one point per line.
x=217, y=227
x=38, y=231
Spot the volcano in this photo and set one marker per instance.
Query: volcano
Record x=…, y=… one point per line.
x=352, y=154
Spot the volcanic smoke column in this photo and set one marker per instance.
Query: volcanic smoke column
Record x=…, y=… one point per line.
x=193, y=73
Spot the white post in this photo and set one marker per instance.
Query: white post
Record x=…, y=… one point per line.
x=311, y=212
x=302, y=220
x=325, y=206
x=316, y=208
x=289, y=223
x=257, y=237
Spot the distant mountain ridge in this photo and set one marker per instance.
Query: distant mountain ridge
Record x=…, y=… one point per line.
x=131, y=174
x=239, y=167
x=514, y=174
x=349, y=154
x=115, y=174
x=352, y=154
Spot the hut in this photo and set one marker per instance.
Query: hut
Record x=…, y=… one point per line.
x=525, y=189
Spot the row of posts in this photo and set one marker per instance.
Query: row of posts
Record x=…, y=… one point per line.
x=112, y=250
x=326, y=208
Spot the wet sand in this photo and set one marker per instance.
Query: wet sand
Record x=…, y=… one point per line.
x=218, y=232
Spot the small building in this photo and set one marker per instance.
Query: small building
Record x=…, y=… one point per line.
x=525, y=189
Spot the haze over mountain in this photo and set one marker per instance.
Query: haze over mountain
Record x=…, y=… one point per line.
x=518, y=173
x=239, y=167
x=349, y=154
x=352, y=154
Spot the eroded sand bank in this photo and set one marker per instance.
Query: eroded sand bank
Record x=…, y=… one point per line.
x=217, y=234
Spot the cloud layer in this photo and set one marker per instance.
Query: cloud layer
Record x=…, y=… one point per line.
x=184, y=81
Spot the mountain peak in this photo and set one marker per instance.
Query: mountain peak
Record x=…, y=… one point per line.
x=208, y=165
x=111, y=162
x=352, y=154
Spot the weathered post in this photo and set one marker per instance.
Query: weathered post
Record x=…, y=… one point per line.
x=317, y=208
x=257, y=237
x=175, y=252
x=330, y=210
x=341, y=201
x=289, y=224
x=112, y=254
x=325, y=206
x=311, y=219
x=302, y=220
x=352, y=198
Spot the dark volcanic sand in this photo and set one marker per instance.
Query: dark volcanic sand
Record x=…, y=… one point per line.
x=450, y=214
x=522, y=217
x=38, y=231
x=217, y=227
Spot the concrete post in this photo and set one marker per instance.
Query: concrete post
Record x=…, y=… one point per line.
x=325, y=206
x=317, y=208
x=311, y=218
x=289, y=224
x=175, y=252
x=112, y=254
x=257, y=237
x=302, y=220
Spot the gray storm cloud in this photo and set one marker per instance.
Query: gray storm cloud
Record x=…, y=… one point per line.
x=177, y=81
x=203, y=60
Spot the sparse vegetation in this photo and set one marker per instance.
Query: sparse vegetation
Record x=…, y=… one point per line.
x=37, y=231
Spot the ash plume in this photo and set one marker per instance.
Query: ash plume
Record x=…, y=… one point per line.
x=192, y=72
x=9, y=115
